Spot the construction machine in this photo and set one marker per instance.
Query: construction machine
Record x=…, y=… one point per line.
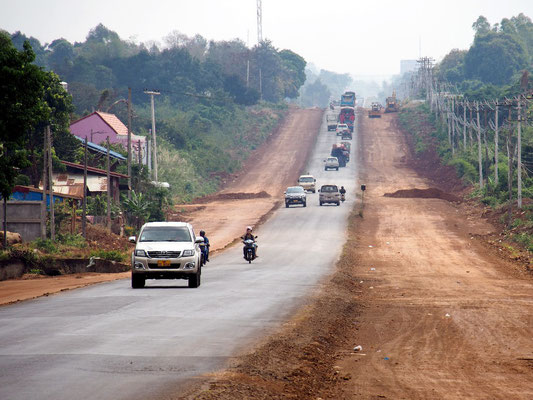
x=375, y=110
x=392, y=103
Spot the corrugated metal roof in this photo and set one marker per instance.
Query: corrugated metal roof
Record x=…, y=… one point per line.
x=72, y=184
x=93, y=169
x=101, y=149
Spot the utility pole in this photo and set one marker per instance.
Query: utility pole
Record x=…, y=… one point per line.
x=108, y=168
x=519, y=145
x=84, y=209
x=51, y=185
x=464, y=124
x=129, y=143
x=496, y=179
x=259, y=22
x=260, y=85
x=479, y=154
x=153, y=93
x=44, y=207
x=453, y=126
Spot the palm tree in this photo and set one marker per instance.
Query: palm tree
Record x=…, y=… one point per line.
x=137, y=207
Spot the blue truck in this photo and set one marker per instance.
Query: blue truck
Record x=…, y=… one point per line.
x=348, y=99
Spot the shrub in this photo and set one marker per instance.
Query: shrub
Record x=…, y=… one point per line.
x=464, y=169
x=111, y=255
x=45, y=245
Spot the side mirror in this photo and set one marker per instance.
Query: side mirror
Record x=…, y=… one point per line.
x=199, y=239
x=284, y=192
x=315, y=180
x=255, y=237
x=318, y=190
x=132, y=239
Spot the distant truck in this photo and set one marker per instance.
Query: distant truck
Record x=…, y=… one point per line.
x=340, y=153
x=391, y=103
x=347, y=116
x=348, y=99
x=331, y=120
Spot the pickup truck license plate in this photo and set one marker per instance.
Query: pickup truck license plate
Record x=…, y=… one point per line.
x=163, y=263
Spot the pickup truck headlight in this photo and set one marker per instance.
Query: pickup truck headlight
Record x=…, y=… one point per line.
x=187, y=253
x=140, y=253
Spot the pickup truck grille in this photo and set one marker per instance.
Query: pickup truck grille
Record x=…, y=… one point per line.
x=164, y=254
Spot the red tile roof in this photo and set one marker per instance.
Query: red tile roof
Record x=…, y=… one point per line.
x=115, y=123
x=111, y=120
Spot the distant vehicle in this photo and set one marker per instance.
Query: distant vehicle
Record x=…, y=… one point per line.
x=339, y=151
x=331, y=120
x=391, y=103
x=308, y=182
x=166, y=250
x=375, y=110
x=348, y=145
x=347, y=116
x=346, y=135
x=332, y=163
x=329, y=194
x=348, y=99
x=341, y=128
x=295, y=195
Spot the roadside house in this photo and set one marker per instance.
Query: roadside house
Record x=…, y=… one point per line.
x=98, y=126
x=70, y=182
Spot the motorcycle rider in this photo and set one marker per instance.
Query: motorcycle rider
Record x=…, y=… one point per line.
x=342, y=191
x=249, y=235
x=205, y=246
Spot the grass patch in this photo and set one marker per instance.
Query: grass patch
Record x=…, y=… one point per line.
x=111, y=255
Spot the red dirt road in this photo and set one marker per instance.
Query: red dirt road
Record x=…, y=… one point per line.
x=443, y=318
x=439, y=314
x=274, y=166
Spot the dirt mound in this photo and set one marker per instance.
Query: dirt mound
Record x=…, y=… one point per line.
x=98, y=237
x=431, y=193
x=232, y=196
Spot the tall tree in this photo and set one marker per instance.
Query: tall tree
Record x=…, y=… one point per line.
x=21, y=105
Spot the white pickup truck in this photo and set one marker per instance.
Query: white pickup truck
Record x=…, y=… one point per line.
x=331, y=119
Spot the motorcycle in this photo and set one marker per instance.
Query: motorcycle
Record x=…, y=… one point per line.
x=249, y=249
x=343, y=197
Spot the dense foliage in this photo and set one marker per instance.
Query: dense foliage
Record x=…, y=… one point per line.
x=31, y=100
x=493, y=64
x=208, y=116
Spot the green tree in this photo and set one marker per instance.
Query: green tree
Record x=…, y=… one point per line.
x=495, y=58
x=21, y=106
x=481, y=26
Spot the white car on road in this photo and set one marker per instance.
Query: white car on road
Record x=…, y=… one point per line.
x=332, y=163
x=166, y=250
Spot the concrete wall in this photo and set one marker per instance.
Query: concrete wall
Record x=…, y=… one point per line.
x=23, y=217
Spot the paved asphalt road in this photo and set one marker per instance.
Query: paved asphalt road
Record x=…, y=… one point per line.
x=109, y=341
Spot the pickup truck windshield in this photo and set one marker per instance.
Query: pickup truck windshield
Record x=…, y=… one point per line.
x=295, y=190
x=165, y=234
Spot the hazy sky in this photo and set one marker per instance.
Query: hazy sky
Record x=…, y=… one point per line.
x=356, y=37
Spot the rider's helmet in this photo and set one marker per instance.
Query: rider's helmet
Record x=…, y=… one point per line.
x=202, y=233
x=248, y=228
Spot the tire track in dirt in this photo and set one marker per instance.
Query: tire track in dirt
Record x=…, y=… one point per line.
x=442, y=317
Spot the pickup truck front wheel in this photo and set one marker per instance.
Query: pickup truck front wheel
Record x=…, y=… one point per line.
x=137, y=281
x=194, y=280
